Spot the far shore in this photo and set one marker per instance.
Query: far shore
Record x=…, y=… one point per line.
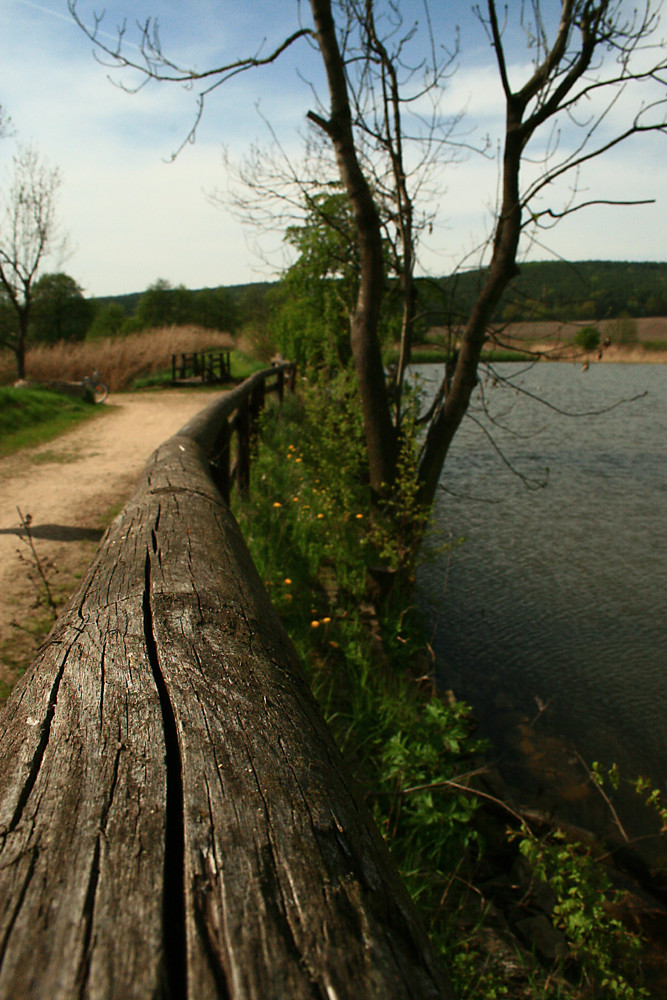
x=552, y=340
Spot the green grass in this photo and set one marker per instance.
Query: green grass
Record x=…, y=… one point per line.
x=29, y=417
x=653, y=345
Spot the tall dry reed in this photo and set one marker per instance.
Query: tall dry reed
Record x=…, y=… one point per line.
x=119, y=360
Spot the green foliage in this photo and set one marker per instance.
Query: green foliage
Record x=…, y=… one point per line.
x=59, y=310
x=311, y=318
x=313, y=535
x=163, y=305
x=214, y=309
x=110, y=320
x=587, y=338
x=317, y=541
x=558, y=290
x=311, y=322
x=601, y=950
x=8, y=319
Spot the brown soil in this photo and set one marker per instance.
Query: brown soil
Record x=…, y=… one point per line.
x=70, y=487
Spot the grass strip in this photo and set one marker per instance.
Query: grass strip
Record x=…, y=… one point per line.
x=29, y=417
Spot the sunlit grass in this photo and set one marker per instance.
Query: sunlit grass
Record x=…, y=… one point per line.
x=29, y=417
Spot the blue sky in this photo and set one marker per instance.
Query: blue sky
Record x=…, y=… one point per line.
x=133, y=217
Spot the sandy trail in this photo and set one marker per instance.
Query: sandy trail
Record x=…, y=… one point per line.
x=68, y=486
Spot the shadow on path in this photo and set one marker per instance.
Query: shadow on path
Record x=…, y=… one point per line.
x=57, y=532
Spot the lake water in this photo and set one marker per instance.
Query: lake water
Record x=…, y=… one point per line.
x=551, y=617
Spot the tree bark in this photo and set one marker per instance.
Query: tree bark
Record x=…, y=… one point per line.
x=502, y=269
x=380, y=434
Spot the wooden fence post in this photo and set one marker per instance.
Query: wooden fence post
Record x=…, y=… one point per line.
x=242, y=425
x=220, y=462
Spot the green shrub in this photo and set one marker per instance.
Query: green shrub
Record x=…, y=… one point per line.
x=587, y=338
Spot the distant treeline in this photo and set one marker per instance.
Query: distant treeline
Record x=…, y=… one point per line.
x=557, y=290
x=554, y=290
x=550, y=290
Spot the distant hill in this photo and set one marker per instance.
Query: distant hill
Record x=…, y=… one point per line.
x=129, y=300
x=558, y=290
x=548, y=290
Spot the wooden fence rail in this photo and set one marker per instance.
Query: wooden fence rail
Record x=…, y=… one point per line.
x=175, y=820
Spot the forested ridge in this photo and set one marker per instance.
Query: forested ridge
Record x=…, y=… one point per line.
x=560, y=290
x=545, y=290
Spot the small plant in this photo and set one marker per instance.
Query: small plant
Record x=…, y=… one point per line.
x=588, y=338
x=42, y=582
x=601, y=951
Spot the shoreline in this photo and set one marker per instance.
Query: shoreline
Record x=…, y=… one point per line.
x=423, y=354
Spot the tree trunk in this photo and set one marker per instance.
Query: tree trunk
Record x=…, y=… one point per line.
x=21, y=339
x=502, y=269
x=379, y=431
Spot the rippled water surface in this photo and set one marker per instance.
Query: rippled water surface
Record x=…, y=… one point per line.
x=558, y=596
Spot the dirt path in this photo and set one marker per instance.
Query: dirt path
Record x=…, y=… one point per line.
x=69, y=486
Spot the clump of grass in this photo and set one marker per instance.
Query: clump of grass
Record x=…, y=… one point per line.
x=31, y=416
x=119, y=360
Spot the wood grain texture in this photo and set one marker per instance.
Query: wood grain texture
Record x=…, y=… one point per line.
x=175, y=819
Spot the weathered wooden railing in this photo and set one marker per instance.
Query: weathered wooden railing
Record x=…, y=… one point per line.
x=209, y=366
x=175, y=820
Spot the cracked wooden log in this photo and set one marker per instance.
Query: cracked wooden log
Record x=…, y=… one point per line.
x=175, y=819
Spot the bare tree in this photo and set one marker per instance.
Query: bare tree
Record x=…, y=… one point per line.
x=28, y=235
x=582, y=62
x=596, y=52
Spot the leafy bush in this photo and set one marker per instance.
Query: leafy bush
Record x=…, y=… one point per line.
x=587, y=338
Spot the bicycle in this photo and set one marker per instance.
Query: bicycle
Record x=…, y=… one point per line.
x=98, y=390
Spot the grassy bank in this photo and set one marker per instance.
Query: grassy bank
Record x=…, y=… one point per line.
x=477, y=871
x=29, y=417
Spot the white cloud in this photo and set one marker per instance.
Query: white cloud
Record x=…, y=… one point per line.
x=133, y=218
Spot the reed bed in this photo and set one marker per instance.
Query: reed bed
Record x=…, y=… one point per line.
x=118, y=360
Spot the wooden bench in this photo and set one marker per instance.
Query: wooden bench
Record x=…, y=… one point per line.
x=175, y=819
